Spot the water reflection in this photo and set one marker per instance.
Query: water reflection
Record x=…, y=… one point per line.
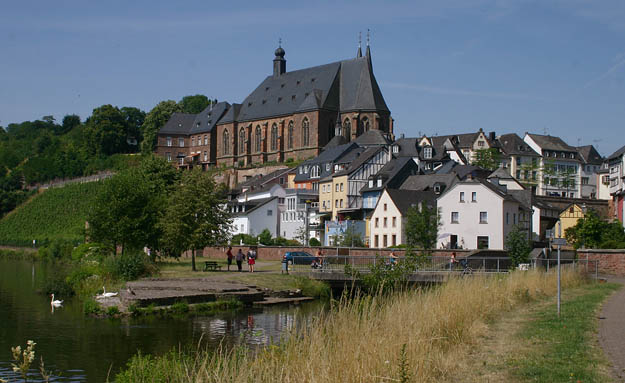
x=79, y=349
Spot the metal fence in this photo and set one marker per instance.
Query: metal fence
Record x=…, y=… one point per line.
x=430, y=264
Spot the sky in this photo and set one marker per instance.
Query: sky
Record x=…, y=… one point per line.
x=444, y=67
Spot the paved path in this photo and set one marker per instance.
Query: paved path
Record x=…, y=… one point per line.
x=612, y=329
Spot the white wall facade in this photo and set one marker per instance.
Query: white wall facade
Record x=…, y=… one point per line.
x=392, y=233
x=468, y=226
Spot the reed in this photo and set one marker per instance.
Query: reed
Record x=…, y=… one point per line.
x=413, y=335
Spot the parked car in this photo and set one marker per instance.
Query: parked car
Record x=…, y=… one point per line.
x=298, y=258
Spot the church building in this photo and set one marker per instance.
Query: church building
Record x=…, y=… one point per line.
x=289, y=115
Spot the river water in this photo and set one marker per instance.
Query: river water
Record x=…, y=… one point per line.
x=80, y=349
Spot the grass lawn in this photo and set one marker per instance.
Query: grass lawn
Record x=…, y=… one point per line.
x=267, y=274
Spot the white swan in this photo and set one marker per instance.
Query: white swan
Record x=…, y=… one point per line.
x=55, y=303
x=107, y=295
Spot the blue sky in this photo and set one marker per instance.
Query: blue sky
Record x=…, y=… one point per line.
x=443, y=66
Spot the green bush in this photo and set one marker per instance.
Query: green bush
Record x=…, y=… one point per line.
x=313, y=288
x=314, y=242
x=91, y=307
x=180, y=307
x=245, y=238
x=129, y=266
x=57, y=249
x=112, y=311
x=133, y=309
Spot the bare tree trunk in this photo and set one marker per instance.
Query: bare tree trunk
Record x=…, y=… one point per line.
x=193, y=260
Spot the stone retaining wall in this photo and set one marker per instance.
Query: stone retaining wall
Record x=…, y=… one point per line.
x=276, y=252
x=611, y=261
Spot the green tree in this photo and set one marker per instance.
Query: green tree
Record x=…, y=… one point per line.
x=124, y=213
x=105, y=131
x=195, y=216
x=134, y=118
x=265, y=237
x=518, y=246
x=593, y=232
x=422, y=225
x=487, y=158
x=351, y=237
x=154, y=121
x=70, y=121
x=194, y=104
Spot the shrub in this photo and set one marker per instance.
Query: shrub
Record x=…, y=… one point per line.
x=129, y=266
x=133, y=309
x=245, y=238
x=180, y=307
x=312, y=288
x=112, y=311
x=58, y=285
x=314, y=242
x=57, y=249
x=91, y=307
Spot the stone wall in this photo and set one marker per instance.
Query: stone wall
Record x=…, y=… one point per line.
x=276, y=253
x=611, y=261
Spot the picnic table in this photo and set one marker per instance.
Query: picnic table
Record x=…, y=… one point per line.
x=212, y=266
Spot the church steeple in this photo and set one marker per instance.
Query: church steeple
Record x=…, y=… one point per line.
x=368, y=54
x=279, y=63
x=359, y=54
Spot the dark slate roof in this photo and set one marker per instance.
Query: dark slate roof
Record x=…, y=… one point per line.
x=259, y=181
x=336, y=141
x=231, y=115
x=315, y=88
x=462, y=171
x=525, y=197
x=252, y=205
x=408, y=147
x=589, y=155
x=178, y=123
x=617, y=154
x=390, y=170
x=405, y=199
x=330, y=155
x=373, y=137
x=360, y=159
x=427, y=181
x=551, y=143
x=501, y=173
x=206, y=120
x=512, y=144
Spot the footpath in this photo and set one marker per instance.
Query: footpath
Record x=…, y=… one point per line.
x=612, y=329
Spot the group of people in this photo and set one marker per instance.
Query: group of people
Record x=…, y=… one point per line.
x=250, y=257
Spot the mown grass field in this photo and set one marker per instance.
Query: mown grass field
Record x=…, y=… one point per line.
x=57, y=213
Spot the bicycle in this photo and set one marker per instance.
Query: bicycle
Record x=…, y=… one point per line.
x=466, y=269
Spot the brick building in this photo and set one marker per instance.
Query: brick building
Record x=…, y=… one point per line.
x=289, y=115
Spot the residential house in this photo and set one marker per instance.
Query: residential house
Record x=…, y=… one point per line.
x=310, y=172
x=437, y=183
x=476, y=214
x=568, y=218
x=519, y=159
x=388, y=220
x=392, y=175
x=259, y=181
x=602, y=180
x=300, y=215
x=253, y=216
x=467, y=144
x=559, y=167
x=616, y=163
x=591, y=162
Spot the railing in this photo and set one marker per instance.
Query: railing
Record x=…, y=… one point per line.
x=431, y=264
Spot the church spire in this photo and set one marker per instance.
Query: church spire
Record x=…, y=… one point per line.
x=359, y=54
x=368, y=54
x=279, y=63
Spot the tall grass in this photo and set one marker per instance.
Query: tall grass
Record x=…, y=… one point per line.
x=409, y=336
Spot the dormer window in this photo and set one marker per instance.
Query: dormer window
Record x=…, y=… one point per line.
x=328, y=167
x=379, y=182
x=312, y=79
x=281, y=85
x=264, y=102
x=547, y=153
x=249, y=104
x=298, y=82
x=563, y=155
x=572, y=155
x=395, y=148
x=293, y=98
x=370, y=183
x=427, y=152
x=266, y=89
x=279, y=99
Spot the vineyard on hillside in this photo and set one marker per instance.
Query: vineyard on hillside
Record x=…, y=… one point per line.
x=57, y=213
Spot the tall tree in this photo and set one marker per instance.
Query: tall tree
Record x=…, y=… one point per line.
x=487, y=158
x=422, y=224
x=70, y=121
x=194, y=104
x=154, y=121
x=518, y=246
x=134, y=118
x=105, y=131
x=195, y=216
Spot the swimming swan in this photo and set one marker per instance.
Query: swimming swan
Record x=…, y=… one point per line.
x=56, y=303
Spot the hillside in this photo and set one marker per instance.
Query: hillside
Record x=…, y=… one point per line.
x=57, y=213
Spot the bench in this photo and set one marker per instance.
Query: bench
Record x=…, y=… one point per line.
x=211, y=265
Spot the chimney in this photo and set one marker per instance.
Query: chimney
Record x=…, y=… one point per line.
x=402, y=135
x=491, y=136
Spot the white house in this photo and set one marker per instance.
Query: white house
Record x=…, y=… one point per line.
x=616, y=163
x=252, y=217
x=388, y=221
x=268, y=191
x=478, y=214
x=301, y=209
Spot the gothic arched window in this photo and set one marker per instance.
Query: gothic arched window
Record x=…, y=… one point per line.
x=274, y=137
x=347, y=129
x=365, y=124
x=226, y=142
x=257, y=139
x=290, y=135
x=305, y=132
x=242, y=141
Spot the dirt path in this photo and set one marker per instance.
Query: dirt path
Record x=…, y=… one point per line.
x=612, y=329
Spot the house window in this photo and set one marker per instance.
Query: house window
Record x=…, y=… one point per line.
x=269, y=212
x=328, y=167
x=482, y=242
x=385, y=206
x=347, y=129
x=377, y=222
x=507, y=218
x=394, y=221
x=454, y=217
x=205, y=140
x=168, y=141
x=192, y=141
x=370, y=183
x=341, y=203
x=376, y=243
x=257, y=139
x=483, y=217
x=341, y=186
x=336, y=203
x=336, y=188
x=385, y=240
x=480, y=143
x=314, y=172
x=305, y=132
x=473, y=196
x=226, y=143
x=427, y=152
x=168, y=156
x=584, y=180
x=181, y=142
x=385, y=221
x=242, y=141
x=274, y=137
x=379, y=182
x=180, y=158
x=205, y=156
x=291, y=131
x=461, y=196
x=514, y=218
x=394, y=241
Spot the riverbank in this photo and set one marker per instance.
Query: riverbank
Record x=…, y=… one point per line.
x=386, y=338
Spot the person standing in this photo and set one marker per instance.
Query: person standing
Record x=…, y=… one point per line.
x=452, y=261
x=230, y=256
x=239, y=258
x=251, y=259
